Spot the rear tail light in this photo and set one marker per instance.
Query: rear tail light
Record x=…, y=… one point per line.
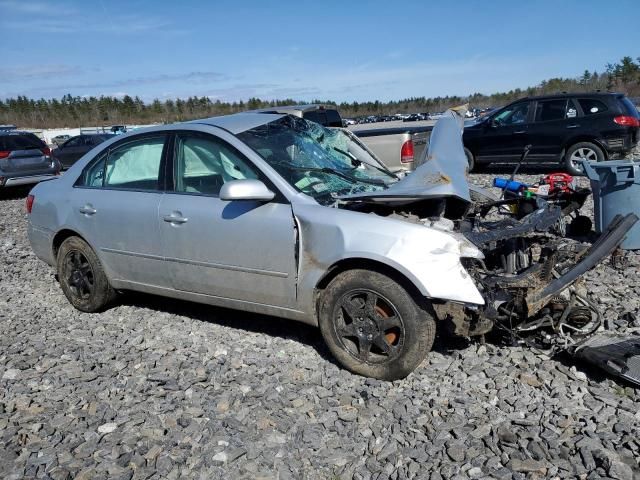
x=29, y=204
x=4, y=153
x=46, y=151
x=406, y=152
x=627, y=121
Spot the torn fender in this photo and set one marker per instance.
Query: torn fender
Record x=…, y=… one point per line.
x=429, y=258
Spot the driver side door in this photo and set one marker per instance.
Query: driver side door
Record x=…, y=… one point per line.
x=243, y=251
x=505, y=134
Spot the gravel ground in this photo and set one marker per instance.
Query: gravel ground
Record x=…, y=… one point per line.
x=156, y=388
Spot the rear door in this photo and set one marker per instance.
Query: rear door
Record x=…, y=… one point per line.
x=241, y=250
x=115, y=205
x=505, y=134
x=554, y=121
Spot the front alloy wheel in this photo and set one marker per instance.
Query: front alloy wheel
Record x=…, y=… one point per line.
x=374, y=326
x=369, y=327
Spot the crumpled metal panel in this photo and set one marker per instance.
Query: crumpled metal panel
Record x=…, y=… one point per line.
x=428, y=257
x=617, y=354
x=443, y=173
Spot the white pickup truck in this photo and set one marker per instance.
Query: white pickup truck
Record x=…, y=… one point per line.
x=399, y=148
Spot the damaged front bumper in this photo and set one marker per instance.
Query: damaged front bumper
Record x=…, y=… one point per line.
x=535, y=286
x=530, y=280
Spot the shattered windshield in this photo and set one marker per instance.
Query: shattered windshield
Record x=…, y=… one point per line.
x=317, y=161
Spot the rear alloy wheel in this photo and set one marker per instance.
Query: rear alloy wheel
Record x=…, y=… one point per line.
x=373, y=326
x=582, y=151
x=82, y=278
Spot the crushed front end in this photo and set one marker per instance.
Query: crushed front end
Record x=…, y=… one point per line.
x=531, y=277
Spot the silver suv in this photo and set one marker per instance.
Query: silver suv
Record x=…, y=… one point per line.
x=24, y=159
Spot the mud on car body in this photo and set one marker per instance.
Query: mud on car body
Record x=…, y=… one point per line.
x=301, y=223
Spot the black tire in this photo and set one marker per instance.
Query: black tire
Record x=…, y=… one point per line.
x=82, y=277
x=470, y=159
x=585, y=150
x=373, y=326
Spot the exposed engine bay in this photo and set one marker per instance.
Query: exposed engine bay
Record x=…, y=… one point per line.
x=531, y=274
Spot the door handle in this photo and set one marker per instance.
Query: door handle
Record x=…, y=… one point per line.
x=88, y=210
x=573, y=126
x=519, y=132
x=175, y=217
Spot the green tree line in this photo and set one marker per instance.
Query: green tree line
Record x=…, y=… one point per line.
x=70, y=111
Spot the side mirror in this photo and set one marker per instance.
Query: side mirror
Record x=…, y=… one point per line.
x=246, y=190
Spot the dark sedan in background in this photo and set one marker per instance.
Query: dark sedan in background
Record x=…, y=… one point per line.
x=73, y=149
x=561, y=129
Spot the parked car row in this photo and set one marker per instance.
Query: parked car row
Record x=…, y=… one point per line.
x=561, y=129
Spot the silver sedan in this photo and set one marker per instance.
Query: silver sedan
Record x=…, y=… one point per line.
x=265, y=213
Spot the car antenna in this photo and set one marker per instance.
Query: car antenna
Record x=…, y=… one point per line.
x=523, y=157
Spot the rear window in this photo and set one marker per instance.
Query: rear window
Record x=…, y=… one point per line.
x=318, y=116
x=591, y=106
x=333, y=118
x=630, y=107
x=328, y=118
x=20, y=142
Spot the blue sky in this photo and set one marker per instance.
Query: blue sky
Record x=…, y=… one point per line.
x=326, y=49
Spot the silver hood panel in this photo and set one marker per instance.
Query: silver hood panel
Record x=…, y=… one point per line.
x=443, y=172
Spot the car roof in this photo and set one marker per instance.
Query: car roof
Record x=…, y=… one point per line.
x=572, y=95
x=239, y=122
x=294, y=108
x=16, y=132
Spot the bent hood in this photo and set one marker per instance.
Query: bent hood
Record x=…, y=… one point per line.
x=443, y=173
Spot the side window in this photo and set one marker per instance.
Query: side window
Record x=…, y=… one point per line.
x=135, y=165
x=549, y=110
x=591, y=106
x=94, y=175
x=513, y=115
x=204, y=164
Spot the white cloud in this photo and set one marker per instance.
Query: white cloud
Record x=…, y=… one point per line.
x=27, y=72
x=27, y=6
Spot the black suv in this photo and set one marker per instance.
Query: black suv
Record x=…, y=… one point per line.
x=560, y=128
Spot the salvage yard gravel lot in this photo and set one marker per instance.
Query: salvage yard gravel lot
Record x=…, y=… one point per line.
x=157, y=388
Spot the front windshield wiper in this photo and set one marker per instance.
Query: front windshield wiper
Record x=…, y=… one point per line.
x=358, y=162
x=338, y=173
